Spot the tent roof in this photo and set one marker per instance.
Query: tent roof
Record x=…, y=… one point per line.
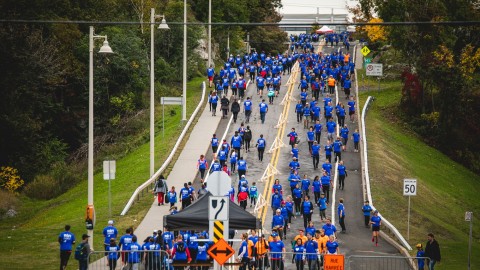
x=195, y=217
x=325, y=29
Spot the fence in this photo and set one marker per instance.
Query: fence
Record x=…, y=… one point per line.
x=355, y=262
x=148, y=259
x=149, y=183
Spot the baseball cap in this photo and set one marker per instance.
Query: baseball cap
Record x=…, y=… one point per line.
x=155, y=231
x=274, y=234
x=85, y=236
x=278, y=210
x=419, y=245
x=110, y=222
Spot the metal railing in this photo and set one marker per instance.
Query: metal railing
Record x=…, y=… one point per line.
x=356, y=262
x=151, y=180
x=113, y=260
x=385, y=222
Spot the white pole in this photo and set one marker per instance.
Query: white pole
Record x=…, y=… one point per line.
x=209, y=32
x=184, y=97
x=152, y=94
x=470, y=241
x=90, y=128
x=408, y=219
x=109, y=193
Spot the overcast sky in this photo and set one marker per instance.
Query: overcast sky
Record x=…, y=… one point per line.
x=310, y=6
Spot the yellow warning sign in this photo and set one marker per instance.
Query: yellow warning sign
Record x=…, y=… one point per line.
x=365, y=50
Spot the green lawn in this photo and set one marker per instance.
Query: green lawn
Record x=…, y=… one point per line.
x=446, y=189
x=38, y=224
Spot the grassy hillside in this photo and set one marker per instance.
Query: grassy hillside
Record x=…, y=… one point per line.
x=38, y=224
x=446, y=189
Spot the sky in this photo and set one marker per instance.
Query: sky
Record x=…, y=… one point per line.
x=310, y=6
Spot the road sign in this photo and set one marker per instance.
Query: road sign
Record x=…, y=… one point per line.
x=331, y=262
x=374, y=69
x=109, y=169
x=409, y=187
x=218, y=208
x=171, y=101
x=221, y=251
x=468, y=216
x=219, y=183
x=367, y=60
x=218, y=230
x=365, y=51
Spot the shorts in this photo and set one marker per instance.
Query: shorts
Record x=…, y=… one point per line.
x=351, y=112
x=210, y=78
x=375, y=228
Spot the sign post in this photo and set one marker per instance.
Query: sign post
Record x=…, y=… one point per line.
x=409, y=189
x=109, y=169
x=469, y=218
x=218, y=211
x=220, y=252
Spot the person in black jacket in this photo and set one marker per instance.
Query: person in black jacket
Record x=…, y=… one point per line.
x=224, y=102
x=247, y=137
x=432, y=251
x=235, y=109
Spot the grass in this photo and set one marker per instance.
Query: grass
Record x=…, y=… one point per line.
x=445, y=189
x=36, y=228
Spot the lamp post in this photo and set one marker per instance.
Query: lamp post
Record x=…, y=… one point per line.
x=163, y=25
x=106, y=50
x=184, y=97
x=209, y=33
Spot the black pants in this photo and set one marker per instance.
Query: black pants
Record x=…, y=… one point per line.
x=312, y=264
x=241, y=172
x=306, y=219
x=263, y=262
x=317, y=136
x=245, y=261
x=316, y=160
x=234, y=91
x=247, y=116
x=310, y=143
x=64, y=257
x=338, y=156
x=237, y=149
x=316, y=194
x=297, y=202
x=202, y=173
x=247, y=145
x=241, y=93
x=214, y=108
x=223, y=162
x=341, y=181
x=260, y=153
x=112, y=264
x=355, y=144
x=341, y=121
x=235, y=115
x=243, y=204
x=329, y=157
x=342, y=223
x=186, y=203
x=299, y=117
x=233, y=166
x=331, y=89
x=366, y=220
x=224, y=112
x=326, y=191
x=299, y=264
x=277, y=264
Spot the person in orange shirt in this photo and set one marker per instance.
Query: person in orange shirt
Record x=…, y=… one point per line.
x=322, y=240
x=301, y=235
x=261, y=253
x=346, y=58
x=331, y=84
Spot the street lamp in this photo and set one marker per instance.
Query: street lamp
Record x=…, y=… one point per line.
x=106, y=50
x=163, y=25
x=209, y=33
x=184, y=97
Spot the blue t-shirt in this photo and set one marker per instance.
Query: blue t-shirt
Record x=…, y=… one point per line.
x=337, y=146
x=185, y=193
x=311, y=248
x=172, y=196
x=356, y=137
x=341, y=210
x=332, y=246
x=305, y=184
x=344, y=133
x=168, y=239
x=351, y=106
x=109, y=232
x=307, y=207
x=261, y=143
x=327, y=167
x=263, y=107
x=328, y=149
x=276, y=248
x=341, y=169
x=295, y=152
x=366, y=210
x=316, y=149
x=134, y=250
x=316, y=186
x=322, y=203
x=297, y=193
x=325, y=180
x=202, y=252
x=242, y=164
x=376, y=221
x=310, y=136
x=214, y=142
x=278, y=220
x=318, y=128
x=125, y=241
x=331, y=126
x=298, y=252
x=248, y=105
x=253, y=192
x=66, y=240
x=329, y=229
x=421, y=262
x=113, y=254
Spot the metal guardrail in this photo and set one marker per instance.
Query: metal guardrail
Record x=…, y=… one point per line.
x=147, y=259
x=356, y=262
x=385, y=222
x=152, y=179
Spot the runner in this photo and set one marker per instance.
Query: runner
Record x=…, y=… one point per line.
x=376, y=222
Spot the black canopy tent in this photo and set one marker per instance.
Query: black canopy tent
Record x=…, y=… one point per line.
x=195, y=217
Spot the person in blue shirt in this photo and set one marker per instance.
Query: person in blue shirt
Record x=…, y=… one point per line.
x=337, y=149
x=210, y=73
x=180, y=252
x=236, y=143
x=420, y=257
x=316, y=187
x=242, y=166
x=277, y=186
x=202, y=254
x=310, y=229
x=276, y=200
x=247, y=108
x=328, y=112
x=134, y=251
x=260, y=85
x=356, y=140
x=322, y=205
x=306, y=210
x=329, y=228
x=303, y=96
x=263, y=110
x=214, y=101
x=253, y=194
x=233, y=161
x=327, y=167
x=342, y=173
x=292, y=137
x=167, y=239
x=243, y=254
x=351, y=109
x=172, y=197
x=109, y=232
x=193, y=245
x=341, y=114
x=310, y=138
x=305, y=185
x=298, y=254
x=328, y=151
x=347, y=84
x=214, y=142
x=261, y=144
x=315, y=154
x=332, y=245
x=294, y=151
x=185, y=196
x=277, y=251
x=306, y=115
x=151, y=255
x=331, y=125
x=66, y=239
x=285, y=215
x=294, y=165
x=341, y=215
x=344, y=134
x=278, y=221
x=113, y=252
x=315, y=111
x=366, y=209
x=311, y=250
x=376, y=222
x=299, y=111
x=326, y=180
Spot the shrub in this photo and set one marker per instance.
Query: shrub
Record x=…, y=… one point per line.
x=9, y=179
x=8, y=201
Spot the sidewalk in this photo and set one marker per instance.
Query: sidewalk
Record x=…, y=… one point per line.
x=184, y=169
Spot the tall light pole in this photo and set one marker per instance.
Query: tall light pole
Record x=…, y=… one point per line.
x=106, y=50
x=209, y=33
x=163, y=25
x=184, y=97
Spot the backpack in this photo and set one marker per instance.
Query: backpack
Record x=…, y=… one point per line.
x=80, y=253
x=181, y=247
x=160, y=183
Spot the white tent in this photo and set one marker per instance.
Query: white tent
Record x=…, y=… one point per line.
x=325, y=29
x=351, y=29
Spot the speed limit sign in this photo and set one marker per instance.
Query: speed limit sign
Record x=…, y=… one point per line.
x=409, y=187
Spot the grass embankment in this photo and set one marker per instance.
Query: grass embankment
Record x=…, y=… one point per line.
x=31, y=236
x=446, y=189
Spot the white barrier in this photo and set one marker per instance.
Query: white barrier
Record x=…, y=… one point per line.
x=269, y=171
x=169, y=158
x=277, y=143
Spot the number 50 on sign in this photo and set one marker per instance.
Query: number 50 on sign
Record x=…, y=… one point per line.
x=409, y=187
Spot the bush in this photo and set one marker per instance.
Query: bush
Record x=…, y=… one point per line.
x=9, y=179
x=8, y=201
x=48, y=186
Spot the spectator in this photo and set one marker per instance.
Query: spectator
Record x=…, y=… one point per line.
x=160, y=189
x=366, y=209
x=432, y=251
x=85, y=251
